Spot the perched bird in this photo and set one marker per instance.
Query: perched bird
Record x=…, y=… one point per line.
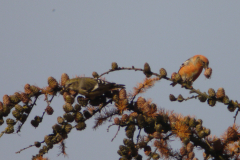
x=91, y=87
x=192, y=68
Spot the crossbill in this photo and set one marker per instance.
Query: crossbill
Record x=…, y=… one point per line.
x=91, y=87
x=192, y=68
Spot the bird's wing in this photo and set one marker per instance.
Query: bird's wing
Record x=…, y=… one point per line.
x=185, y=63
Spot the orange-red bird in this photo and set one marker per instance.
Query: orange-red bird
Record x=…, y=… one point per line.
x=192, y=68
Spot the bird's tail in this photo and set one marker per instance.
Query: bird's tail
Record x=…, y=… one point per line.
x=119, y=86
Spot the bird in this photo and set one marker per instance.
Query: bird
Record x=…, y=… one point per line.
x=91, y=87
x=192, y=68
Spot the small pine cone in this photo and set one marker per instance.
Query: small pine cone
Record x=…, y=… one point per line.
x=211, y=102
x=147, y=150
x=38, y=119
x=114, y=66
x=77, y=107
x=6, y=100
x=220, y=93
x=211, y=92
x=95, y=75
x=37, y=144
x=10, y=121
x=155, y=156
x=35, y=90
x=68, y=128
x=133, y=114
x=178, y=77
x=6, y=110
x=69, y=99
x=19, y=108
x=172, y=97
x=180, y=98
x=48, y=90
x=226, y=100
x=185, y=140
x=125, y=118
x=173, y=76
x=140, y=102
x=48, y=139
x=14, y=99
x=147, y=70
x=49, y=110
x=67, y=107
x=207, y=131
x=87, y=114
x=79, y=117
x=189, y=147
x=81, y=126
x=68, y=117
x=191, y=155
x=64, y=78
x=192, y=122
x=34, y=123
x=57, y=128
x=82, y=101
x=183, y=151
x=60, y=120
x=23, y=118
x=16, y=114
x=153, y=107
x=129, y=133
x=122, y=94
x=231, y=108
x=202, y=98
x=199, y=128
x=163, y=73
x=27, y=89
x=24, y=98
x=9, y=129
x=157, y=135
x=201, y=134
x=208, y=73
x=17, y=94
x=199, y=121
x=52, y=82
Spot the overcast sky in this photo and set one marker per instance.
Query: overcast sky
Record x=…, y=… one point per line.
x=39, y=39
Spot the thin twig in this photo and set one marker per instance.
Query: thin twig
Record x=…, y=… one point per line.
x=116, y=133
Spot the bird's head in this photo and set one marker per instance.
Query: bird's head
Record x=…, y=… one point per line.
x=72, y=84
x=204, y=61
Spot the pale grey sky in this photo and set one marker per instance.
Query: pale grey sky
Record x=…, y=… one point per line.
x=39, y=39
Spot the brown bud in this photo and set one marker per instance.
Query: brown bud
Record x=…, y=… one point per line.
x=231, y=107
x=226, y=100
x=27, y=89
x=114, y=66
x=49, y=110
x=163, y=73
x=177, y=77
x=19, y=108
x=60, y=120
x=116, y=121
x=69, y=99
x=82, y=101
x=125, y=117
x=122, y=94
x=35, y=90
x=220, y=93
x=147, y=70
x=52, y=82
x=191, y=155
x=68, y=128
x=202, y=98
x=140, y=102
x=67, y=107
x=24, y=98
x=211, y=102
x=37, y=144
x=6, y=99
x=64, y=78
x=95, y=75
x=14, y=99
x=79, y=117
x=180, y=98
x=183, y=151
x=80, y=126
x=211, y=92
x=172, y=97
x=189, y=147
x=208, y=72
x=173, y=76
